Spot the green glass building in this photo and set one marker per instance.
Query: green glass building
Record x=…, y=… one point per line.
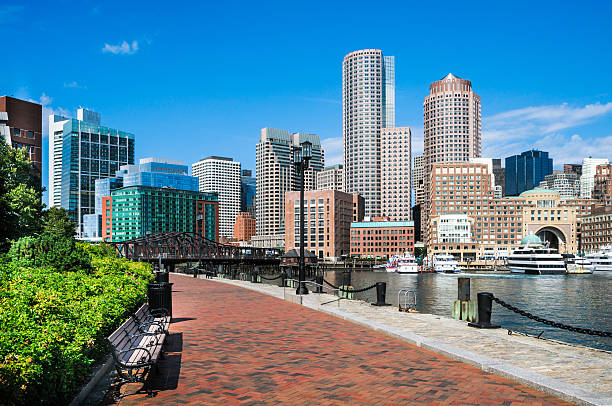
x=136, y=211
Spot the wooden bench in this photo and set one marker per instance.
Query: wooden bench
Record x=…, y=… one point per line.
x=137, y=345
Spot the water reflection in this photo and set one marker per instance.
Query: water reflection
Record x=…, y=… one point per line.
x=578, y=300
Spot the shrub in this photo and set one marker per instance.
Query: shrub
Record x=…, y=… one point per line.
x=50, y=250
x=53, y=323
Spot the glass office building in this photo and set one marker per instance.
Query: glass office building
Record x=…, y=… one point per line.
x=247, y=192
x=526, y=171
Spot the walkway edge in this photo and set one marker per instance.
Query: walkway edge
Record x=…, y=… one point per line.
x=537, y=381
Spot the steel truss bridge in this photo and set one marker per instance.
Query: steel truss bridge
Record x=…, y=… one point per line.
x=178, y=247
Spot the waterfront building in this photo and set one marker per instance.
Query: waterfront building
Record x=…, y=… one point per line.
x=331, y=178
x=328, y=215
x=452, y=128
x=567, y=184
x=221, y=175
x=587, y=179
x=381, y=239
x=602, y=188
x=81, y=151
x=244, y=227
x=500, y=177
x=596, y=230
x=526, y=171
x=573, y=168
x=418, y=180
x=498, y=225
x=454, y=228
x=135, y=211
x=247, y=192
x=368, y=106
x=276, y=174
x=21, y=127
x=396, y=159
x=276, y=241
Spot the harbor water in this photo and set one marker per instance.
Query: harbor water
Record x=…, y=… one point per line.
x=577, y=300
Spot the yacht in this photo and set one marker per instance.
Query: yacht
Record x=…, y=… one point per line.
x=445, y=263
x=601, y=260
x=578, y=265
x=535, y=258
x=407, y=264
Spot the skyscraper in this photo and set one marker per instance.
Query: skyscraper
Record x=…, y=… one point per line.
x=247, y=192
x=587, y=178
x=81, y=151
x=452, y=128
x=395, y=169
x=418, y=179
x=368, y=106
x=526, y=171
x=276, y=174
x=331, y=178
x=221, y=175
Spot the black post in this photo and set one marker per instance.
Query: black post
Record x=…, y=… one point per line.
x=254, y=275
x=485, y=304
x=283, y=278
x=319, y=282
x=301, y=290
x=381, y=290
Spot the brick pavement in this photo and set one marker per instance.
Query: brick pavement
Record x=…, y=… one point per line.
x=234, y=346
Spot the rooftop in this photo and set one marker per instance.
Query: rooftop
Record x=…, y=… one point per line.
x=382, y=224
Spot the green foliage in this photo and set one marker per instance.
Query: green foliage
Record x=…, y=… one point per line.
x=56, y=221
x=50, y=250
x=20, y=196
x=420, y=252
x=53, y=323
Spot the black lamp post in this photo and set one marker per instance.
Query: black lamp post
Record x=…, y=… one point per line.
x=301, y=156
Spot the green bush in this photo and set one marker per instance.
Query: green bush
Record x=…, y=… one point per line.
x=53, y=323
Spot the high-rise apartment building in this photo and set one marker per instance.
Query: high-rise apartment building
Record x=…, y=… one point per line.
x=567, y=184
x=221, y=175
x=602, y=189
x=452, y=128
x=396, y=157
x=573, y=168
x=368, y=106
x=276, y=174
x=247, y=192
x=526, y=171
x=331, y=178
x=587, y=179
x=21, y=127
x=80, y=152
x=418, y=179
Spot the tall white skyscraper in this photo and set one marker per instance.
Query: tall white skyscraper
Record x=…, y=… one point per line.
x=418, y=179
x=368, y=106
x=395, y=164
x=276, y=174
x=587, y=179
x=221, y=175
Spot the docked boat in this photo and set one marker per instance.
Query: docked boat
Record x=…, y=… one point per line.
x=601, y=260
x=407, y=264
x=445, y=263
x=392, y=263
x=578, y=265
x=535, y=258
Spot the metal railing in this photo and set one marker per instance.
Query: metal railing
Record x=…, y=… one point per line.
x=315, y=284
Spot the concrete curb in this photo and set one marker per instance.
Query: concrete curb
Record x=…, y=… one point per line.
x=537, y=381
x=103, y=369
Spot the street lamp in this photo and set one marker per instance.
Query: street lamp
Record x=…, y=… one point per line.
x=301, y=156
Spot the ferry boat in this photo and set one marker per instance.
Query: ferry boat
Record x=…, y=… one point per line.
x=445, y=263
x=535, y=258
x=602, y=260
x=578, y=265
x=407, y=264
x=392, y=263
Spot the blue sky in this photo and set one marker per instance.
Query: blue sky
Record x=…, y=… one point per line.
x=193, y=79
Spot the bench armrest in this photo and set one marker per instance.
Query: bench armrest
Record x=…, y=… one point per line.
x=138, y=364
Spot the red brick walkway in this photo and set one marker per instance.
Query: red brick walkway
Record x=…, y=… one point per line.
x=235, y=346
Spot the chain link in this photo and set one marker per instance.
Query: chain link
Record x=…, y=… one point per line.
x=350, y=291
x=270, y=279
x=553, y=323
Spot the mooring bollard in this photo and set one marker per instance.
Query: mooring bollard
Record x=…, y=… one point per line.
x=485, y=305
x=381, y=291
x=319, y=282
x=254, y=275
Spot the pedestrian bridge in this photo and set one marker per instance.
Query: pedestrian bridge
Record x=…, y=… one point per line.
x=178, y=247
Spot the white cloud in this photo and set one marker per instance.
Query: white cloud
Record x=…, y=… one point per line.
x=123, y=49
x=333, y=150
x=47, y=110
x=74, y=85
x=514, y=131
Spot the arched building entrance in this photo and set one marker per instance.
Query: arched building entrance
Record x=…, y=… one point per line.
x=554, y=236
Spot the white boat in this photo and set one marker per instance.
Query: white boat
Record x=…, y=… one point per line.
x=578, y=265
x=445, y=263
x=601, y=260
x=407, y=264
x=392, y=263
x=535, y=258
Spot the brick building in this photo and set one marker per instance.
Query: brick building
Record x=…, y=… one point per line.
x=244, y=227
x=372, y=239
x=328, y=215
x=596, y=230
x=602, y=190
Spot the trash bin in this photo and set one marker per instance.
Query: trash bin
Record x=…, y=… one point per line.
x=160, y=296
x=161, y=277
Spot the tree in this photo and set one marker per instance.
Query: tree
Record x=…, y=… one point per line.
x=56, y=221
x=20, y=196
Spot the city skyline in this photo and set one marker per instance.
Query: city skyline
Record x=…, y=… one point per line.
x=549, y=96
